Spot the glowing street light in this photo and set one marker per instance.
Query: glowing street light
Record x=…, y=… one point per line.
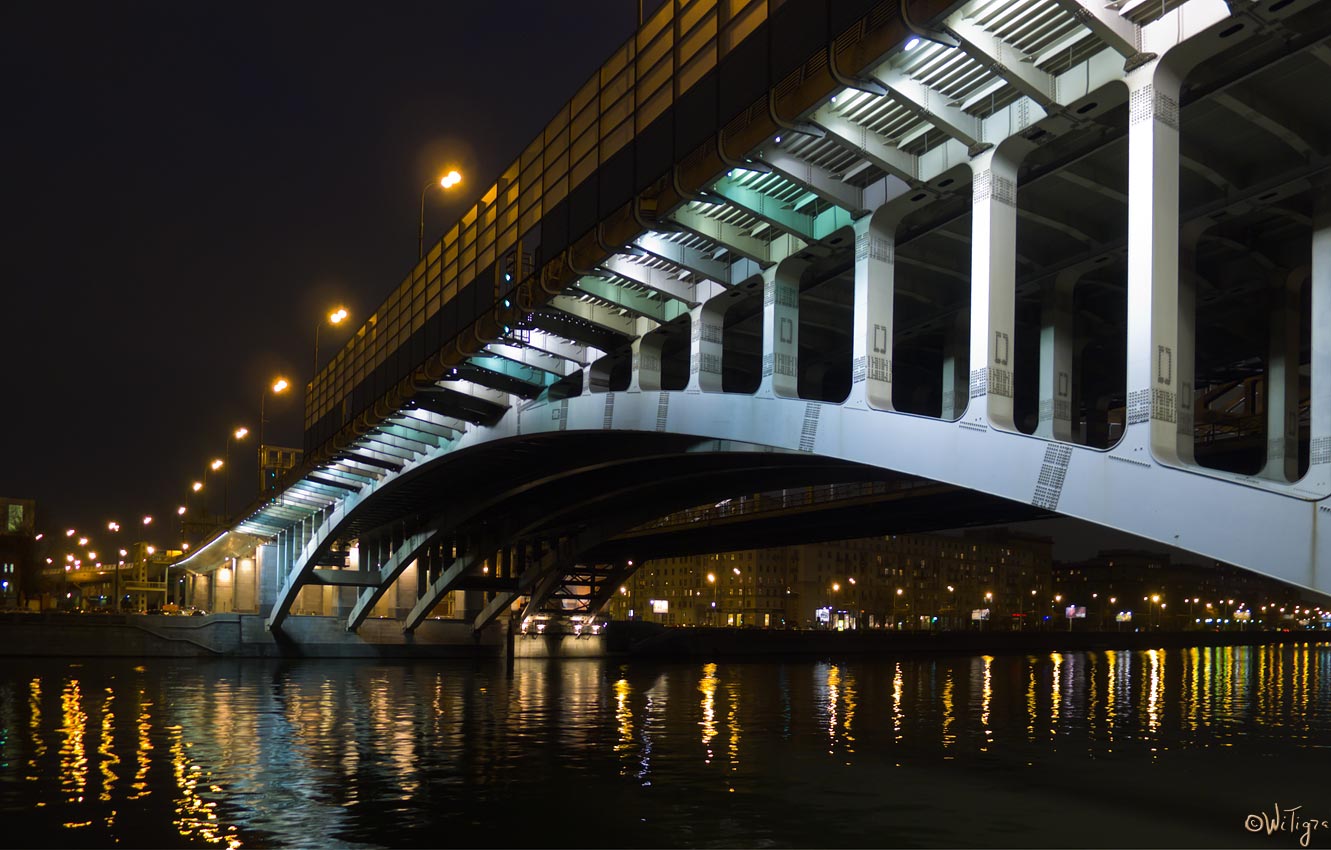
x=83, y=541
x=180, y=511
x=196, y=486
x=336, y=317
x=113, y=526
x=147, y=520
x=216, y=464
x=239, y=434
x=448, y=181
x=70, y=532
x=278, y=387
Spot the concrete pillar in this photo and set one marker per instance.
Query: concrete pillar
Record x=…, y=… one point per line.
x=645, y=372
x=955, y=360
x=875, y=288
x=994, y=282
x=1319, y=401
x=781, y=328
x=1056, y=356
x=705, y=344
x=1153, y=261
x=269, y=575
x=1282, y=378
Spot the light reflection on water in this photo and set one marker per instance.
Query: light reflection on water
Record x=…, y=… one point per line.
x=1159, y=747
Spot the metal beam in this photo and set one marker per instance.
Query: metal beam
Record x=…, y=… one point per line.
x=1007, y=62
x=723, y=233
x=931, y=106
x=594, y=314
x=442, y=585
x=345, y=578
x=656, y=279
x=866, y=144
x=813, y=179
x=1114, y=31
x=684, y=257
x=765, y=208
x=638, y=303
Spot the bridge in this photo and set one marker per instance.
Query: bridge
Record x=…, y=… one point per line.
x=1069, y=257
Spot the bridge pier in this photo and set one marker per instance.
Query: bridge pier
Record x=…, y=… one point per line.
x=781, y=322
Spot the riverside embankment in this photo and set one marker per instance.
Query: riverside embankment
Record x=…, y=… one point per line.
x=245, y=636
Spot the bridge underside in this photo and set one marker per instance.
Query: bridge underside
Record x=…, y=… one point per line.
x=1063, y=258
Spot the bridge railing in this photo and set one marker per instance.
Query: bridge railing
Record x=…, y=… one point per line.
x=782, y=500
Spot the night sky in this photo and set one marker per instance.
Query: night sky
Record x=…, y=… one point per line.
x=190, y=187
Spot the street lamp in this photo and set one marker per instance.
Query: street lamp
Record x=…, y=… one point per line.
x=114, y=527
x=278, y=387
x=711, y=579
x=448, y=181
x=238, y=434
x=336, y=317
x=988, y=599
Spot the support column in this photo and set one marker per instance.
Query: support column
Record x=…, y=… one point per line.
x=705, y=345
x=645, y=370
x=781, y=327
x=1319, y=400
x=994, y=282
x=1056, y=357
x=875, y=288
x=1154, y=328
x=955, y=360
x=1282, y=378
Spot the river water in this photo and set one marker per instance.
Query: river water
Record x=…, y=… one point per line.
x=1159, y=748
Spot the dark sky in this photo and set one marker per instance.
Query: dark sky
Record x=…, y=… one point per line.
x=189, y=187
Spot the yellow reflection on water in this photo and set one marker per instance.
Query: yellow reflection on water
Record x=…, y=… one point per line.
x=898, y=687
x=1154, y=685
x=35, y=726
x=145, y=745
x=194, y=814
x=833, y=682
x=1092, y=699
x=623, y=715
x=1055, y=692
x=732, y=721
x=848, y=697
x=707, y=685
x=1111, y=681
x=1030, y=699
x=73, y=756
x=949, y=738
x=106, y=747
x=988, y=699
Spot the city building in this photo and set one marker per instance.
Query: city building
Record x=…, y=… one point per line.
x=274, y=461
x=19, y=571
x=899, y=581
x=986, y=579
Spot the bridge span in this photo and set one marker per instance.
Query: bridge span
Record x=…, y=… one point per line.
x=1071, y=255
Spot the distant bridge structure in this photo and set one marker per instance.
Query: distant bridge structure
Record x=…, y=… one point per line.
x=1074, y=257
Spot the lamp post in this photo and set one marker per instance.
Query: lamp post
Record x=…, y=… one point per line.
x=448, y=181
x=278, y=386
x=114, y=527
x=336, y=317
x=238, y=434
x=988, y=601
x=711, y=579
